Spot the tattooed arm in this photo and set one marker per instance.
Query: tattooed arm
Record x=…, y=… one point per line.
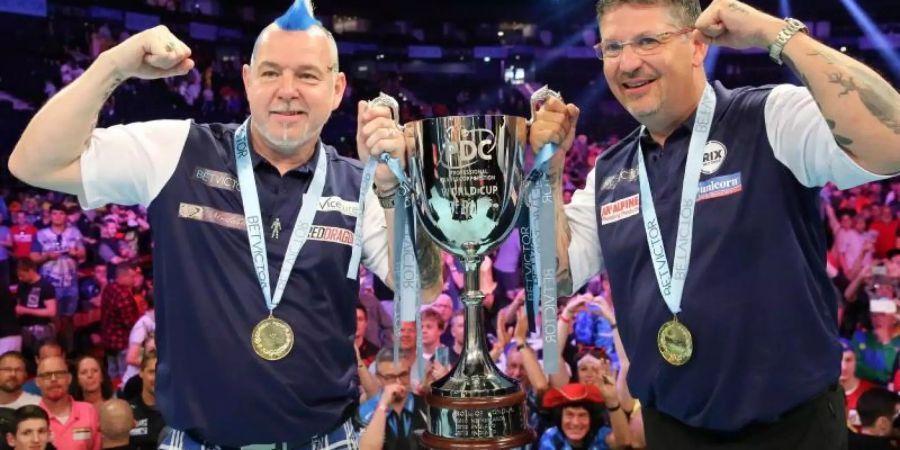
x=49, y=151
x=431, y=269
x=860, y=107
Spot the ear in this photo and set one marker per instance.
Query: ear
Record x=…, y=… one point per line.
x=700, y=50
x=245, y=75
x=11, y=440
x=340, y=85
x=883, y=425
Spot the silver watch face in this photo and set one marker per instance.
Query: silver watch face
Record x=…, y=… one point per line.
x=796, y=24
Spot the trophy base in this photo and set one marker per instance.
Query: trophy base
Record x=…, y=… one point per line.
x=430, y=441
x=490, y=422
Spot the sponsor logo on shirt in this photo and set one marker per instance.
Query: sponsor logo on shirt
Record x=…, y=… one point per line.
x=713, y=157
x=620, y=209
x=331, y=234
x=216, y=179
x=624, y=176
x=340, y=205
x=211, y=215
x=720, y=187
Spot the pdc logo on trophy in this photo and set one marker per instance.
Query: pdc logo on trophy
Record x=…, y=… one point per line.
x=466, y=146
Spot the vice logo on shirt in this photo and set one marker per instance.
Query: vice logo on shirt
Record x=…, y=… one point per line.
x=722, y=186
x=620, y=209
x=345, y=207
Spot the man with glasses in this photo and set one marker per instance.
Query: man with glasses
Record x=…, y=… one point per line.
x=75, y=425
x=249, y=247
x=12, y=377
x=392, y=416
x=716, y=197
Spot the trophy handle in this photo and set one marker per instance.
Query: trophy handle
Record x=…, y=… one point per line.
x=538, y=98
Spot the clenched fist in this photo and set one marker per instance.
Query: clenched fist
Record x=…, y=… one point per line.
x=151, y=54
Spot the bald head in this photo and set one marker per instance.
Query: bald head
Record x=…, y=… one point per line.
x=116, y=419
x=316, y=31
x=52, y=363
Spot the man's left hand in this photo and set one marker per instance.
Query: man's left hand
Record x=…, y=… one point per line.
x=734, y=24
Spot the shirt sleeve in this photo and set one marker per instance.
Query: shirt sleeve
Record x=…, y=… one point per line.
x=130, y=164
x=802, y=141
x=375, y=239
x=36, y=246
x=585, y=258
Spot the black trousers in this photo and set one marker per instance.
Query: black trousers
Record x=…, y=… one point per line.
x=818, y=424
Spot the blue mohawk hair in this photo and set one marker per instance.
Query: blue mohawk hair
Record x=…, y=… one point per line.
x=298, y=17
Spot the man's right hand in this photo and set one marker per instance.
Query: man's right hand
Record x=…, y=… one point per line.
x=151, y=54
x=393, y=394
x=554, y=122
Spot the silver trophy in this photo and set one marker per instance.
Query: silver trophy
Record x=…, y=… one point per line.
x=467, y=183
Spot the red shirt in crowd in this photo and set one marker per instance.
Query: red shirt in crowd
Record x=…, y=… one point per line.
x=22, y=237
x=118, y=314
x=887, y=236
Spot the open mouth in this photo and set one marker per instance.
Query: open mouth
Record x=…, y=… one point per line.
x=637, y=84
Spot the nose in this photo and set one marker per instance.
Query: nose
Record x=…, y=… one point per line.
x=629, y=61
x=287, y=88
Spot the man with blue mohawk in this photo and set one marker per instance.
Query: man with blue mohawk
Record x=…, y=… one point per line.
x=234, y=294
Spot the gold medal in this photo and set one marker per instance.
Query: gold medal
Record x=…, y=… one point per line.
x=272, y=339
x=675, y=342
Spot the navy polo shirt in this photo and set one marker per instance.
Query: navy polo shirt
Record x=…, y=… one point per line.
x=762, y=311
x=209, y=380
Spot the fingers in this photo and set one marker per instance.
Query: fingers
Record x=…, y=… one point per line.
x=163, y=50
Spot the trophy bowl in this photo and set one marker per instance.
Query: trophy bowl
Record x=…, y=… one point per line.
x=466, y=175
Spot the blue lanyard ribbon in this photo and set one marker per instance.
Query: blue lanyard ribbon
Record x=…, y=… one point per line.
x=671, y=282
x=253, y=217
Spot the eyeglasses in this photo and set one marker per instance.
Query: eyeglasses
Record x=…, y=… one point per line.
x=642, y=45
x=398, y=377
x=8, y=370
x=54, y=374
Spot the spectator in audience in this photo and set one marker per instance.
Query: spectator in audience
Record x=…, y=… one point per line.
x=36, y=306
x=119, y=314
x=74, y=424
x=149, y=422
x=393, y=416
x=366, y=349
x=432, y=327
x=58, y=249
x=6, y=247
x=30, y=429
x=379, y=328
x=577, y=415
x=443, y=304
x=23, y=233
x=143, y=329
x=12, y=377
x=877, y=409
x=853, y=386
x=10, y=330
x=116, y=423
x=92, y=384
x=886, y=227
x=458, y=331
x=849, y=239
x=45, y=349
x=876, y=349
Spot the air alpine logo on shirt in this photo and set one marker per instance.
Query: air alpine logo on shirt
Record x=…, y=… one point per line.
x=620, y=209
x=624, y=176
x=340, y=205
x=720, y=187
x=713, y=157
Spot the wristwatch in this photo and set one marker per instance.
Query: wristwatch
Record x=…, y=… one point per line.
x=792, y=27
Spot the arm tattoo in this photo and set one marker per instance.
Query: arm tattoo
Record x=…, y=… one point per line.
x=879, y=97
x=736, y=6
x=842, y=141
x=430, y=264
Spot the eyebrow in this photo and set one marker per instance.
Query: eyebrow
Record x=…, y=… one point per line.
x=300, y=68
